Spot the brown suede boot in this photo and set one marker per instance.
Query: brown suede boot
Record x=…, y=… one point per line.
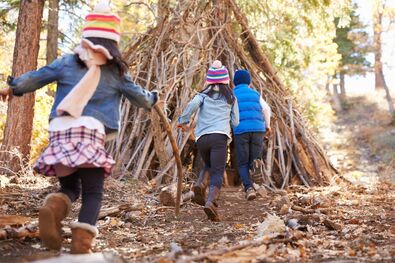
x=199, y=188
x=82, y=235
x=56, y=207
x=211, y=205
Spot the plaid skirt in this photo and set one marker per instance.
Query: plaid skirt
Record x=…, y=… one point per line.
x=74, y=148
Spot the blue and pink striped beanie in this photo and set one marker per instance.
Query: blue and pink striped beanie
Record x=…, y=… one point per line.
x=217, y=73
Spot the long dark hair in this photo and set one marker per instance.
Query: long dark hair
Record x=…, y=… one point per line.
x=112, y=47
x=223, y=90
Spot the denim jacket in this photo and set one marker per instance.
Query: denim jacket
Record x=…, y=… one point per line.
x=105, y=102
x=215, y=115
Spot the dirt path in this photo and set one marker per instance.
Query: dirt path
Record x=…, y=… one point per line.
x=349, y=222
x=361, y=141
x=339, y=223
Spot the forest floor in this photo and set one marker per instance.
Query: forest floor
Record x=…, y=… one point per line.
x=351, y=222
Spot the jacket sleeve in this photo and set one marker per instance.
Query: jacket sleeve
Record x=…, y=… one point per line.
x=234, y=114
x=33, y=80
x=191, y=108
x=137, y=95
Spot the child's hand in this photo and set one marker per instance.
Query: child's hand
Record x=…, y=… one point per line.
x=4, y=93
x=268, y=130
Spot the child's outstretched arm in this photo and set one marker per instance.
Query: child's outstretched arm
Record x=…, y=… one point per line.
x=234, y=115
x=137, y=95
x=33, y=80
x=191, y=108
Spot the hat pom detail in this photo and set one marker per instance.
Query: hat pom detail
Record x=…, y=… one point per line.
x=217, y=73
x=102, y=7
x=216, y=64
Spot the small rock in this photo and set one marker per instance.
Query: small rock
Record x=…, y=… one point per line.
x=175, y=248
x=272, y=224
x=305, y=200
x=293, y=223
x=279, y=201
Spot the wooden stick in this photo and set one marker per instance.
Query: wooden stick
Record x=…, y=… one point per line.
x=176, y=154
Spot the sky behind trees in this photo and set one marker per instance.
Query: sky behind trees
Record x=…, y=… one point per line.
x=366, y=83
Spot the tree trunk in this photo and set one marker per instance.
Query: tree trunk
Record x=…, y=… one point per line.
x=378, y=65
x=377, y=30
x=336, y=100
x=342, y=88
x=18, y=128
x=52, y=31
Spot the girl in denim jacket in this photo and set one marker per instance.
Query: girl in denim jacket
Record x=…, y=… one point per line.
x=218, y=111
x=86, y=109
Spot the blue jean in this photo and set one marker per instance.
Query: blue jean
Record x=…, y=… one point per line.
x=249, y=146
x=213, y=149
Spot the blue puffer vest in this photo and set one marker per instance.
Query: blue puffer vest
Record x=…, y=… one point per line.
x=250, y=110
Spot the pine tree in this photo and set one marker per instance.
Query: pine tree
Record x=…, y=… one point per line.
x=353, y=46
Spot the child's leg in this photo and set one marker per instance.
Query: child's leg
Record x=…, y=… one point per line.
x=70, y=185
x=218, y=159
x=200, y=186
x=256, y=152
x=84, y=231
x=92, y=181
x=56, y=207
x=204, y=150
x=242, y=142
x=256, y=146
x=218, y=152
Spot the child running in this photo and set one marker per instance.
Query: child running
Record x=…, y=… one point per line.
x=218, y=110
x=90, y=84
x=254, y=122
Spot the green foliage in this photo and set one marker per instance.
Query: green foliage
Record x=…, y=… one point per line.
x=7, y=7
x=297, y=36
x=353, y=46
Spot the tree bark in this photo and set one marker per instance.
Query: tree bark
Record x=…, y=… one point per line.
x=343, y=95
x=377, y=44
x=336, y=100
x=52, y=31
x=18, y=128
x=377, y=31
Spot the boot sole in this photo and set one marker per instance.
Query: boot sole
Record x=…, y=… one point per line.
x=199, y=197
x=213, y=216
x=251, y=197
x=47, y=227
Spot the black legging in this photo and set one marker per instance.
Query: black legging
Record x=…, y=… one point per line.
x=213, y=149
x=91, y=180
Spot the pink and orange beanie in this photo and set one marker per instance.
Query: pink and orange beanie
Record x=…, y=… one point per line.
x=217, y=73
x=102, y=23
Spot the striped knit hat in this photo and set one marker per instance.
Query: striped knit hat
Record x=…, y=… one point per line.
x=102, y=23
x=217, y=73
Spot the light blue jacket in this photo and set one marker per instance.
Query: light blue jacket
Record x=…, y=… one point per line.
x=104, y=104
x=215, y=115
